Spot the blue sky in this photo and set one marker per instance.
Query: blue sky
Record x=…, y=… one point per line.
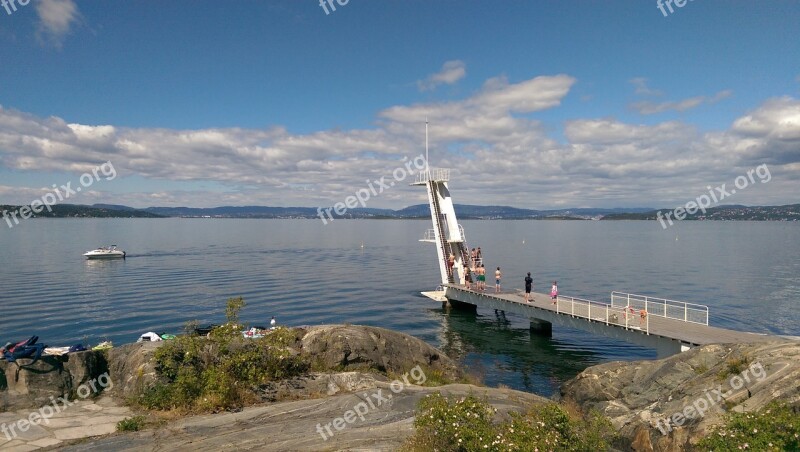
x=532, y=103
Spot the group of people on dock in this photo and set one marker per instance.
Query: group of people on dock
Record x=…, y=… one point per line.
x=475, y=271
x=475, y=274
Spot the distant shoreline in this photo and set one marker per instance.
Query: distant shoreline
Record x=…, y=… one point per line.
x=10, y=213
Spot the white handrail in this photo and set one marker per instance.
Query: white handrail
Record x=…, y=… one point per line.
x=608, y=314
x=662, y=307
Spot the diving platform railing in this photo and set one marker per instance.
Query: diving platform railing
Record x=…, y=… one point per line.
x=661, y=307
x=432, y=175
x=430, y=236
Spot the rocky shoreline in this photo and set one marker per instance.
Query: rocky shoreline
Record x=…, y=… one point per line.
x=661, y=405
x=669, y=404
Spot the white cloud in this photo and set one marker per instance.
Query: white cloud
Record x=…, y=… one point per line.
x=642, y=89
x=56, y=18
x=649, y=108
x=500, y=152
x=452, y=72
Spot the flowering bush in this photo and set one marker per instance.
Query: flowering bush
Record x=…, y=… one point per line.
x=776, y=427
x=466, y=424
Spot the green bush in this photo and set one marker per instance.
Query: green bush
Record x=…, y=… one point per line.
x=775, y=427
x=466, y=425
x=221, y=371
x=132, y=424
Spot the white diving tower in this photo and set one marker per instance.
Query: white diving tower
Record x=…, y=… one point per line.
x=447, y=234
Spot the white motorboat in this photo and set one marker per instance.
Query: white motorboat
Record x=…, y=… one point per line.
x=106, y=252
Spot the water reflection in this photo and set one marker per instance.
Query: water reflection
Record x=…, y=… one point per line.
x=494, y=346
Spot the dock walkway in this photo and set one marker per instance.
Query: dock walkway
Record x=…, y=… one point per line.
x=667, y=335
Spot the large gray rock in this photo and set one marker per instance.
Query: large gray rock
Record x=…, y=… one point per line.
x=352, y=347
x=332, y=348
x=640, y=396
x=24, y=385
x=132, y=368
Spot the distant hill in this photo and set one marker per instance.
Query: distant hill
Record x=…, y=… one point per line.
x=466, y=212
x=81, y=211
x=419, y=211
x=725, y=213
x=113, y=207
x=463, y=211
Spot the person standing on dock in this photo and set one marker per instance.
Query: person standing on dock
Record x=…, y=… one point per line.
x=528, y=287
x=497, y=276
x=479, y=256
x=554, y=292
x=467, y=277
x=481, y=277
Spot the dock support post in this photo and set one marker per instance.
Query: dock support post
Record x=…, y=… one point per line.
x=665, y=349
x=460, y=305
x=541, y=328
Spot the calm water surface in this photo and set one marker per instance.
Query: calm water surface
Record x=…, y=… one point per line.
x=305, y=273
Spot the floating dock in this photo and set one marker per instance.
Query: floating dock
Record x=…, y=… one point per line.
x=680, y=329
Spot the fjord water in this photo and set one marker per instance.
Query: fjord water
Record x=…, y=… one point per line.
x=306, y=273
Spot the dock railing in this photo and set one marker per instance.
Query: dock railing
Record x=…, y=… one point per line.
x=661, y=307
x=603, y=312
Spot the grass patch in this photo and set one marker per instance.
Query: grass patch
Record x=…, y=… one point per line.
x=734, y=366
x=132, y=424
x=701, y=369
x=775, y=427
